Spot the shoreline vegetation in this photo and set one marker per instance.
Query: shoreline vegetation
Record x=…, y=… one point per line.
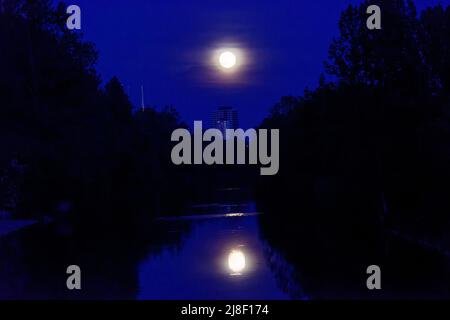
x=368, y=152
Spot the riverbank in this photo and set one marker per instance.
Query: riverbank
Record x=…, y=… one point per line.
x=9, y=226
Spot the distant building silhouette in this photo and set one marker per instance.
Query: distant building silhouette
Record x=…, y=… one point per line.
x=224, y=118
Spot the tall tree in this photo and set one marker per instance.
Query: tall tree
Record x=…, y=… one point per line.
x=387, y=58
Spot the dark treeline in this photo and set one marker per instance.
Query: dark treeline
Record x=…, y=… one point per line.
x=70, y=145
x=368, y=151
x=74, y=148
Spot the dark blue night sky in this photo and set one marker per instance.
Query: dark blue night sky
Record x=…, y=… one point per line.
x=167, y=45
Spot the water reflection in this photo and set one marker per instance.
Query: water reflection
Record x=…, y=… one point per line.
x=203, y=257
x=236, y=262
x=220, y=258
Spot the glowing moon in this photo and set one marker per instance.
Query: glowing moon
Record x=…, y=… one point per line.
x=227, y=59
x=236, y=261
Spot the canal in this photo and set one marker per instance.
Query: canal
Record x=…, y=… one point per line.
x=214, y=252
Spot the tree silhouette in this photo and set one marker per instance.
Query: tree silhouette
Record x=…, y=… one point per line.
x=367, y=153
x=77, y=142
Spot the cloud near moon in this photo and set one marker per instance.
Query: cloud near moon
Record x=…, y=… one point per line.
x=204, y=68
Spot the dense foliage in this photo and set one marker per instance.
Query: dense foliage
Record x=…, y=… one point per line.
x=368, y=150
x=68, y=144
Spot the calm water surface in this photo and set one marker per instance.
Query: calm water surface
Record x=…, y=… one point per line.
x=215, y=255
x=213, y=252
x=222, y=257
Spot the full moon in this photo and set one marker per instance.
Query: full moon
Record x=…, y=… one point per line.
x=227, y=59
